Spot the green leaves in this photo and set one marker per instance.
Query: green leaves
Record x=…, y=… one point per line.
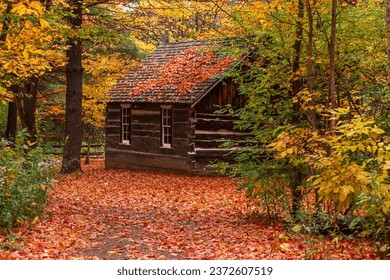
x=24, y=178
x=335, y=157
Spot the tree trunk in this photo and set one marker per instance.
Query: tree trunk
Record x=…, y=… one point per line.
x=332, y=63
x=73, y=110
x=296, y=85
x=312, y=115
x=10, y=133
x=388, y=40
x=26, y=103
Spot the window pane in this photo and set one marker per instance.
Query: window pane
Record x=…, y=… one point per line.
x=166, y=122
x=126, y=119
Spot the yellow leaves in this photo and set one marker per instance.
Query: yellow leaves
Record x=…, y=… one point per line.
x=308, y=99
x=61, y=3
x=32, y=46
x=143, y=46
x=345, y=192
x=28, y=7
x=2, y=6
x=25, y=54
x=387, y=207
x=383, y=154
x=360, y=146
x=37, y=6
x=53, y=111
x=29, y=143
x=5, y=95
x=386, y=165
x=28, y=25
x=44, y=23
x=339, y=182
x=20, y=9
x=30, y=52
x=358, y=158
x=182, y=20
x=291, y=144
x=105, y=70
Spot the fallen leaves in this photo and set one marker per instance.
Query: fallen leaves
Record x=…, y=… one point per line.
x=119, y=214
x=185, y=72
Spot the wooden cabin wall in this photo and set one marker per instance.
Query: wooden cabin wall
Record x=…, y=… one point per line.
x=197, y=135
x=208, y=133
x=208, y=130
x=113, y=124
x=145, y=151
x=224, y=93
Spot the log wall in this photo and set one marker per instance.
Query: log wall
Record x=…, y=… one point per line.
x=208, y=133
x=144, y=151
x=197, y=135
x=222, y=94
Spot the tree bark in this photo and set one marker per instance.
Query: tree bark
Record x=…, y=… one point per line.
x=10, y=133
x=26, y=103
x=332, y=63
x=296, y=85
x=312, y=115
x=73, y=110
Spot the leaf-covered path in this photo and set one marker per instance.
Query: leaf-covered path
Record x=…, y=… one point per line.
x=107, y=214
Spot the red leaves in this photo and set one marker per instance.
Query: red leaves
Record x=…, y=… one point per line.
x=107, y=214
x=185, y=72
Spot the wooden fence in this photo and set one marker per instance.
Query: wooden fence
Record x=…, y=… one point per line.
x=87, y=150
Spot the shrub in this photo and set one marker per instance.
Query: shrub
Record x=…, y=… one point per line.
x=25, y=175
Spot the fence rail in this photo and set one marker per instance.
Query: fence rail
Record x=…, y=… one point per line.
x=57, y=149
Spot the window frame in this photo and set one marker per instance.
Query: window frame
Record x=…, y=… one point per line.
x=125, y=108
x=166, y=124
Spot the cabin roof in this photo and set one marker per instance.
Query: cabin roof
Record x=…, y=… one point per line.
x=173, y=73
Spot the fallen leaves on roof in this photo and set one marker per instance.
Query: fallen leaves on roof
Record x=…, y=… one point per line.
x=173, y=73
x=185, y=72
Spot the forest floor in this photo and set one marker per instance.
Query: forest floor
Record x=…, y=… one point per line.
x=119, y=214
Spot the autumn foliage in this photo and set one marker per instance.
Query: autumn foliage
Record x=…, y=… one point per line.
x=320, y=122
x=318, y=109
x=119, y=214
x=185, y=72
x=25, y=175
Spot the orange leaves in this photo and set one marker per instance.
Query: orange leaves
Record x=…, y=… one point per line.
x=52, y=112
x=121, y=214
x=185, y=72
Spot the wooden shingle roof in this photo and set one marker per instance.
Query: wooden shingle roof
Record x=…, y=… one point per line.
x=173, y=73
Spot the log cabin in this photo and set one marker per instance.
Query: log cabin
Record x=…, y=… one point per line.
x=161, y=116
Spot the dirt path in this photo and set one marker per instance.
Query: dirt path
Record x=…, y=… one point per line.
x=106, y=214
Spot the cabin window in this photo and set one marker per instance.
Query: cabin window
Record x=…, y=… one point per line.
x=126, y=124
x=166, y=126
